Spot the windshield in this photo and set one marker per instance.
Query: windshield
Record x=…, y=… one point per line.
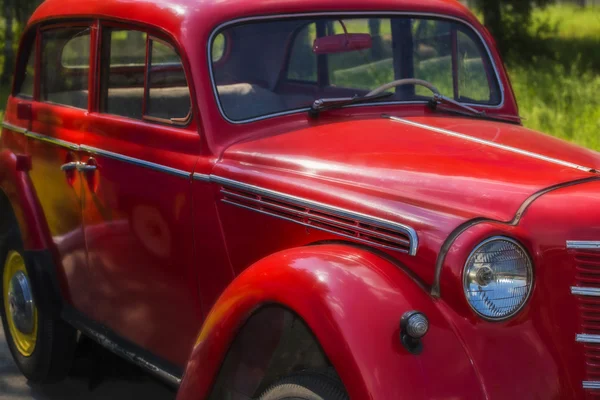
x=266, y=68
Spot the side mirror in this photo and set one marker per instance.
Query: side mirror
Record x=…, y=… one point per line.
x=342, y=43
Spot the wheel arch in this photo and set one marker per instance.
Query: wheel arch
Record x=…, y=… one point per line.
x=352, y=301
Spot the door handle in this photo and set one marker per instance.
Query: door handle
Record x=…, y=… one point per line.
x=81, y=167
x=70, y=166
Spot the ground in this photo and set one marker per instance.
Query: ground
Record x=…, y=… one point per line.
x=13, y=386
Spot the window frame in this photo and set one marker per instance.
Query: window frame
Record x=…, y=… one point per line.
x=28, y=47
x=151, y=34
x=221, y=28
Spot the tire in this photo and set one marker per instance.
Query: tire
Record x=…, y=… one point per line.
x=306, y=386
x=45, y=354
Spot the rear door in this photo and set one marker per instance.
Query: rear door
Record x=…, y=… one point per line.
x=59, y=120
x=140, y=149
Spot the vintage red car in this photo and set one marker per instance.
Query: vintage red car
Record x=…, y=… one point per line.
x=316, y=199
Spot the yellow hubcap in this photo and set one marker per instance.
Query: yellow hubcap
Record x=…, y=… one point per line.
x=19, y=307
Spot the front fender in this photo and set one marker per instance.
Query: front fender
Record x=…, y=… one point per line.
x=352, y=300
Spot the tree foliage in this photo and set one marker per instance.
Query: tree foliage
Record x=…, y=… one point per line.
x=509, y=22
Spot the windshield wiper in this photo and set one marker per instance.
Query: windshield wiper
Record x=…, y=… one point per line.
x=462, y=109
x=321, y=105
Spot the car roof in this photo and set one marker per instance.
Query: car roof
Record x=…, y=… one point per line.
x=177, y=16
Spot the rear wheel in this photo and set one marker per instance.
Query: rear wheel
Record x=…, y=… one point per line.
x=41, y=345
x=306, y=386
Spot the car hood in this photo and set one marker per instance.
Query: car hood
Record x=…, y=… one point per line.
x=487, y=170
x=430, y=173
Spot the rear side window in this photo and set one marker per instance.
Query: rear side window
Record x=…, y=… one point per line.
x=142, y=78
x=123, y=72
x=65, y=66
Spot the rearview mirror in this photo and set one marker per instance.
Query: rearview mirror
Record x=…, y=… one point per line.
x=342, y=43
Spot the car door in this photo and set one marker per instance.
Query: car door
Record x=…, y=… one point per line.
x=59, y=111
x=139, y=153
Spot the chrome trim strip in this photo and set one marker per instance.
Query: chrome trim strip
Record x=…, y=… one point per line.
x=583, y=245
x=217, y=30
x=491, y=144
x=201, y=177
x=317, y=218
x=14, y=128
x=587, y=338
x=585, y=291
x=40, y=137
x=136, y=161
x=49, y=139
x=394, y=226
x=591, y=384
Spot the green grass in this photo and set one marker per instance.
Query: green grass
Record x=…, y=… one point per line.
x=557, y=92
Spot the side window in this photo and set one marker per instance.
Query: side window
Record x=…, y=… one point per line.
x=65, y=66
x=168, y=92
x=123, y=72
x=26, y=81
x=137, y=85
x=303, y=62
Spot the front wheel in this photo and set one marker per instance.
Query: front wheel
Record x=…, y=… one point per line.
x=306, y=386
x=42, y=346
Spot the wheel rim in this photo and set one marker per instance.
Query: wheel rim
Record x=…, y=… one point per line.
x=19, y=306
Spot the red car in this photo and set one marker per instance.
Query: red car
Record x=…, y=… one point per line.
x=311, y=199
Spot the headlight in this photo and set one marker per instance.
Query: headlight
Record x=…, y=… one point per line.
x=498, y=278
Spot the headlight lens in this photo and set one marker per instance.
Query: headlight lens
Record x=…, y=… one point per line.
x=498, y=278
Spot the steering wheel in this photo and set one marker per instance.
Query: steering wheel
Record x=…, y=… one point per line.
x=402, y=82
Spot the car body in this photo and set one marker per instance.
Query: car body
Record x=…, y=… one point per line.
x=179, y=204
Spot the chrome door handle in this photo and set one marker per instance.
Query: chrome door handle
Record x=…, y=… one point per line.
x=81, y=167
x=70, y=166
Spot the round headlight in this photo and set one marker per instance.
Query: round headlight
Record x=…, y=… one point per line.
x=498, y=278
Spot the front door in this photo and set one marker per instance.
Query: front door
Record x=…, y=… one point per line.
x=139, y=153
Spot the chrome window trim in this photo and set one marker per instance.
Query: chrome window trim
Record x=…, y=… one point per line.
x=587, y=338
x=585, y=291
x=220, y=27
x=583, y=245
x=493, y=144
x=591, y=384
x=136, y=161
x=387, y=224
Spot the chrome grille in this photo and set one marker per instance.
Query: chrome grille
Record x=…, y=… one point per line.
x=340, y=222
x=587, y=279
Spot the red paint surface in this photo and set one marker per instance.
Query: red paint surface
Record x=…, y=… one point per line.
x=150, y=255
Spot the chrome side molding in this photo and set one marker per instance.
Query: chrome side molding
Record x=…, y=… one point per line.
x=591, y=384
x=587, y=338
x=585, y=291
x=583, y=245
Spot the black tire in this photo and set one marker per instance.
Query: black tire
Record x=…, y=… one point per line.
x=306, y=386
x=54, y=349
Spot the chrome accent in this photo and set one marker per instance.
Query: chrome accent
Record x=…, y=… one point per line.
x=587, y=338
x=136, y=161
x=583, y=245
x=492, y=144
x=201, y=177
x=14, y=128
x=220, y=27
x=40, y=137
x=86, y=167
x=530, y=288
x=70, y=166
x=20, y=303
x=383, y=223
x=585, y=291
x=591, y=384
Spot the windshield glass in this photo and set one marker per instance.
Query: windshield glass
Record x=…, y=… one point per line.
x=265, y=68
